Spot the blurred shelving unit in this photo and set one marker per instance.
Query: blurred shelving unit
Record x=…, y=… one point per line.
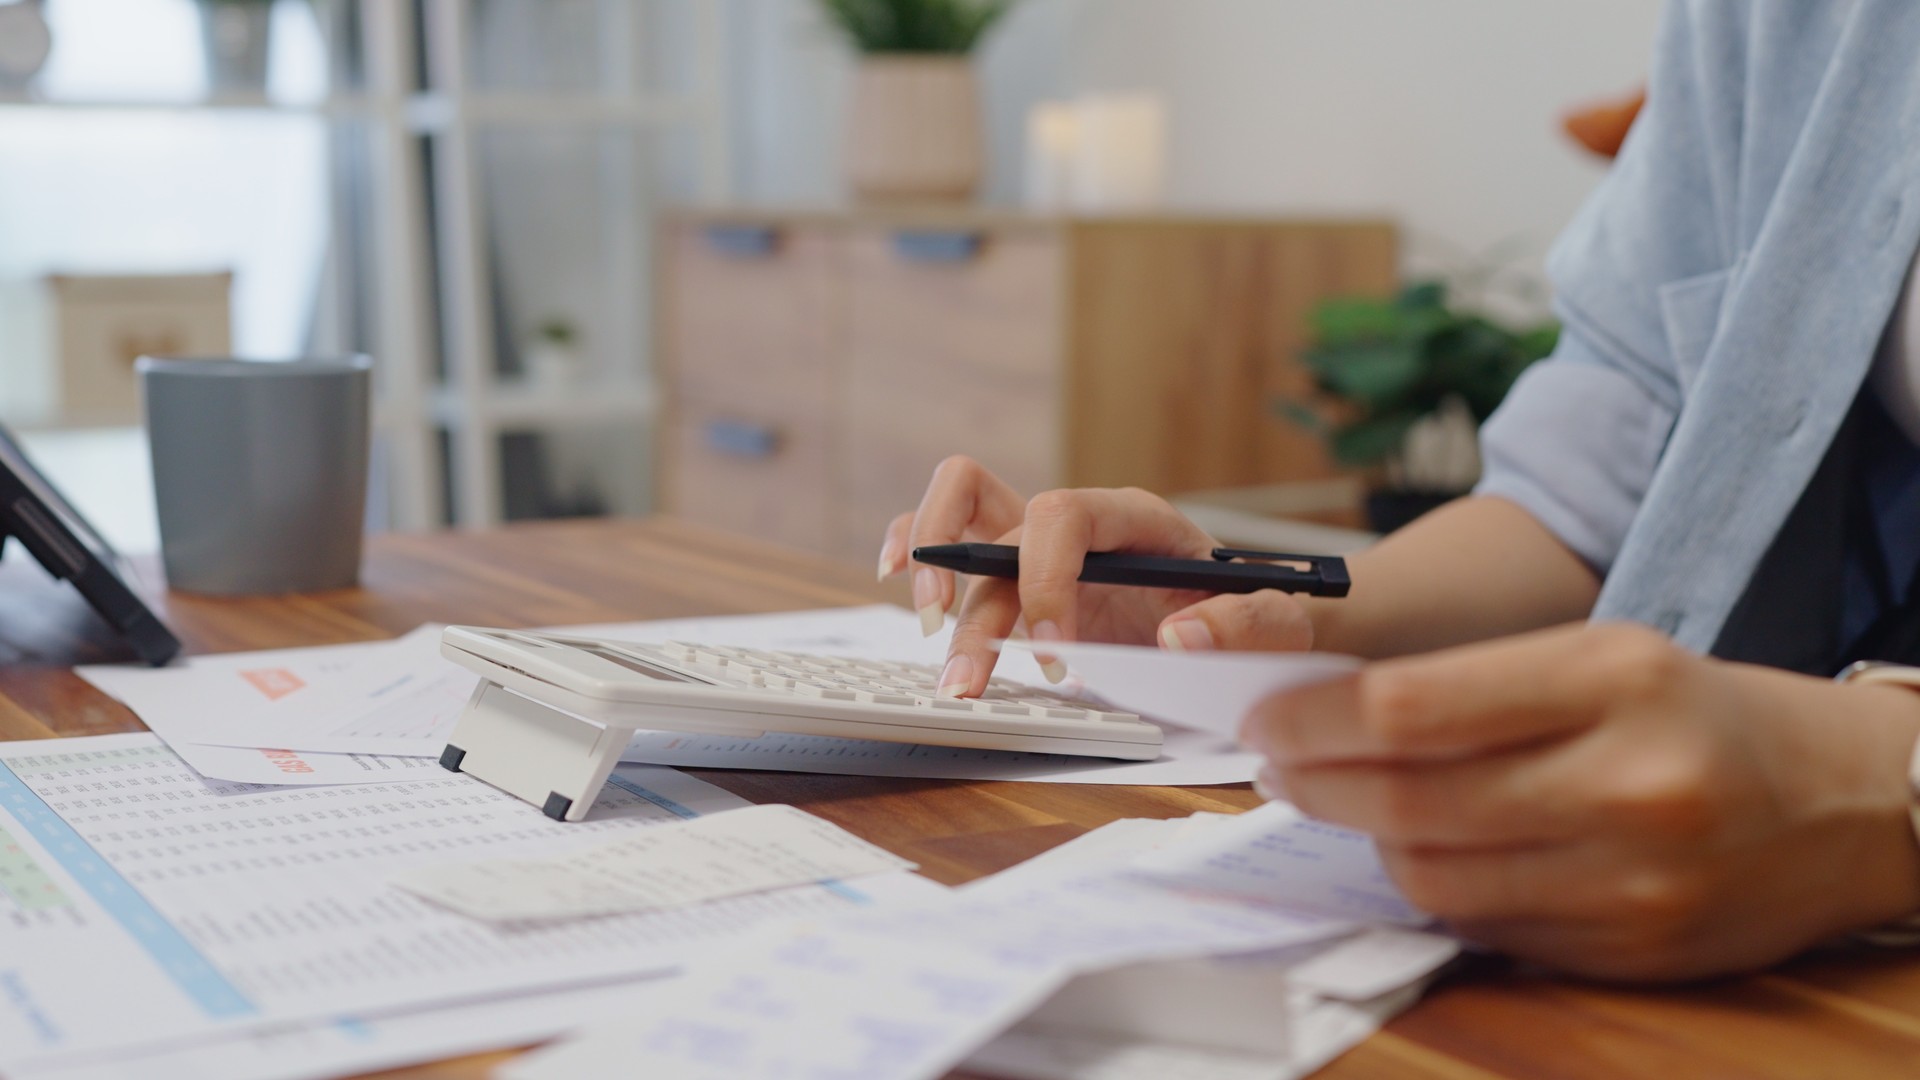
x=432, y=329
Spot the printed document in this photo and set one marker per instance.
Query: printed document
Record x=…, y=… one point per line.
x=1076, y=967
x=141, y=904
x=728, y=854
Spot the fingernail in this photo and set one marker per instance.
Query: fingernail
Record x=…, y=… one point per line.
x=1266, y=784
x=957, y=678
x=926, y=597
x=1186, y=635
x=887, y=551
x=1048, y=630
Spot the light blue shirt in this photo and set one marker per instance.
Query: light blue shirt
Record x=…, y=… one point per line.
x=1722, y=294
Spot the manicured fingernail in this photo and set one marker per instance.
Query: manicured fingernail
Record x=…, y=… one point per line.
x=1266, y=784
x=926, y=597
x=1048, y=630
x=1186, y=635
x=888, y=552
x=957, y=679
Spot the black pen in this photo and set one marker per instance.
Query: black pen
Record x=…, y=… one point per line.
x=1231, y=570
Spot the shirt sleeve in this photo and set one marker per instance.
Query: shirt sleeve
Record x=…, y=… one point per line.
x=1575, y=445
x=1577, y=441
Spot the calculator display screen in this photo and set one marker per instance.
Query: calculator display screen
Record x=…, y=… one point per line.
x=635, y=664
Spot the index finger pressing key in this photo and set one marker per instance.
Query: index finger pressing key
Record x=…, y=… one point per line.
x=963, y=502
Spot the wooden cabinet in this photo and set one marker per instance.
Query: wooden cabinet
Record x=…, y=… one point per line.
x=818, y=366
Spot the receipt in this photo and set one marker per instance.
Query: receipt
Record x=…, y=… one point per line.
x=1207, y=691
x=750, y=850
x=1277, y=855
x=907, y=993
x=1374, y=962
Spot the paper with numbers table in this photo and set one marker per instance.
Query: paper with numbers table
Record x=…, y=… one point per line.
x=141, y=904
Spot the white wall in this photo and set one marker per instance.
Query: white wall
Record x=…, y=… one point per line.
x=1441, y=113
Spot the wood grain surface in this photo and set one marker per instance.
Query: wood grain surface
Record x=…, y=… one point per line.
x=1841, y=1013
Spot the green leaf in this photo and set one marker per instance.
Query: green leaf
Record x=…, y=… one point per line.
x=1424, y=294
x=1349, y=320
x=1539, y=341
x=1371, y=442
x=915, y=26
x=1302, y=414
x=1372, y=376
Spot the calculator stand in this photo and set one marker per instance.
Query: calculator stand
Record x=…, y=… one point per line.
x=552, y=760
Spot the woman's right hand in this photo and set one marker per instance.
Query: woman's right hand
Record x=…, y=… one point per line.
x=1055, y=531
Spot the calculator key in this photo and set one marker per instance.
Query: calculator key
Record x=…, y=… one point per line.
x=829, y=693
x=884, y=698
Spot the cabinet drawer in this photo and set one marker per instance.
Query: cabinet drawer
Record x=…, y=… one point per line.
x=753, y=469
x=953, y=347
x=748, y=308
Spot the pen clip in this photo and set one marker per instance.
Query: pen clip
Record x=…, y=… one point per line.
x=1326, y=573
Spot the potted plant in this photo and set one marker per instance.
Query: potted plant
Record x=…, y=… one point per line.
x=914, y=131
x=1404, y=385
x=235, y=35
x=553, y=359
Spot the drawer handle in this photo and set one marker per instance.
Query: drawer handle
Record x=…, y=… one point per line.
x=743, y=241
x=937, y=246
x=738, y=438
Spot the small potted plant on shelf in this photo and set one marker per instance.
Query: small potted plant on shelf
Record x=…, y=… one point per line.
x=914, y=131
x=553, y=360
x=1404, y=385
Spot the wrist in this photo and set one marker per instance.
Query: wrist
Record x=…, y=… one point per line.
x=1886, y=719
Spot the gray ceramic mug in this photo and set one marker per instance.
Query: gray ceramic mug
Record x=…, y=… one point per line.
x=259, y=471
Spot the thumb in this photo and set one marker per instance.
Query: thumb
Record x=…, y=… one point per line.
x=1267, y=620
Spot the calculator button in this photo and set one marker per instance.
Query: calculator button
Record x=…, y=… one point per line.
x=829, y=693
x=879, y=698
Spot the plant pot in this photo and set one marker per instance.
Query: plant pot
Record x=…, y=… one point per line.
x=235, y=36
x=914, y=133
x=1390, y=508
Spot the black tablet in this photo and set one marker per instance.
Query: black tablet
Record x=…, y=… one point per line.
x=33, y=512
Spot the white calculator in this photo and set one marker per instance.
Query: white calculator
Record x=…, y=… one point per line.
x=553, y=712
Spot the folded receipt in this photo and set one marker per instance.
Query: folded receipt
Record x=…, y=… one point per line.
x=754, y=849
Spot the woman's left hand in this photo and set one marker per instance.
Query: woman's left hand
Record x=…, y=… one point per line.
x=1599, y=800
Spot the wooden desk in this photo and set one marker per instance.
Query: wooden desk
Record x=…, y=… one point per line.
x=1845, y=1014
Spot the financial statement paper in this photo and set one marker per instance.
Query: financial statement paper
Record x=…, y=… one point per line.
x=141, y=904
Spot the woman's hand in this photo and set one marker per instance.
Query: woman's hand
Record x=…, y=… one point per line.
x=1601, y=801
x=1054, y=531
